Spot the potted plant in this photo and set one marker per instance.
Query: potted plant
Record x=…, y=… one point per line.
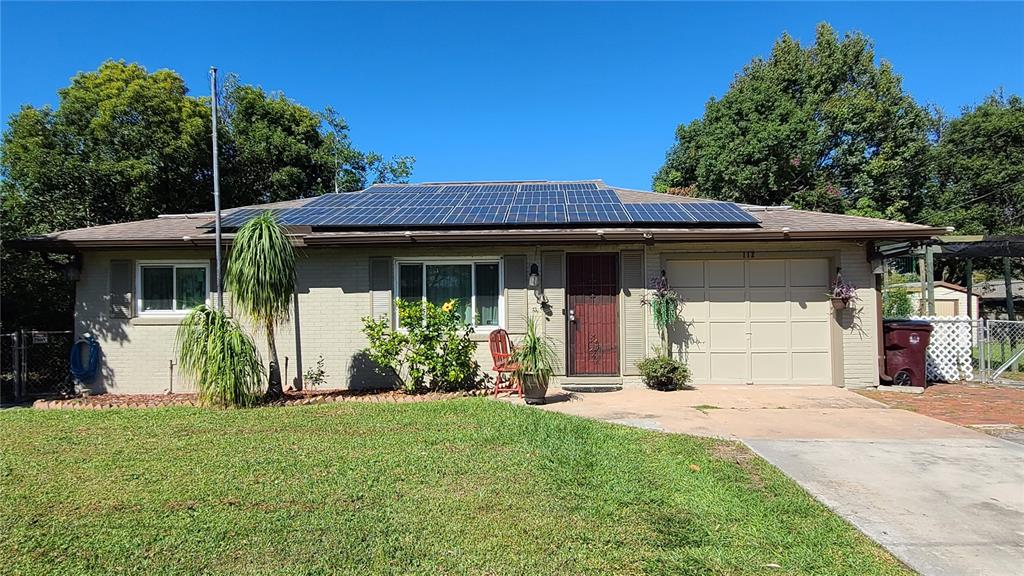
x=841, y=292
x=535, y=359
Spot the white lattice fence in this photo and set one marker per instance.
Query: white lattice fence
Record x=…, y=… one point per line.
x=949, y=351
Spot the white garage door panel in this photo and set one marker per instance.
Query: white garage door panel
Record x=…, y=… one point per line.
x=769, y=336
x=726, y=274
x=760, y=321
x=690, y=273
x=764, y=273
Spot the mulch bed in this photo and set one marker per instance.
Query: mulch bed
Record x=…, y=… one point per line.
x=290, y=398
x=963, y=404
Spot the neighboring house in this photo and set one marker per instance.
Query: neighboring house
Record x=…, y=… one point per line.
x=950, y=299
x=579, y=255
x=993, y=298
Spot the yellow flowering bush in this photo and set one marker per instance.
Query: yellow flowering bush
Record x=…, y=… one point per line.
x=431, y=351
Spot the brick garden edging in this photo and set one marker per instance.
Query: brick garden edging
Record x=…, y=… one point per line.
x=106, y=401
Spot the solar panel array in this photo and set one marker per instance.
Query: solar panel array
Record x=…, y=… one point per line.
x=490, y=204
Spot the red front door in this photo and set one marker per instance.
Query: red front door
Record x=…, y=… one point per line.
x=592, y=290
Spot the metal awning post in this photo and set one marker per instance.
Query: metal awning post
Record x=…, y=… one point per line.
x=969, y=271
x=929, y=259
x=922, y=275
x=1011, y=314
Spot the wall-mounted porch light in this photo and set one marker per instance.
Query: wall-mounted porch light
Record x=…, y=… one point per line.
x=533, y=283
x=534, y=279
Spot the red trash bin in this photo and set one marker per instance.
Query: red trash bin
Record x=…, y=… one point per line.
x=905, y=345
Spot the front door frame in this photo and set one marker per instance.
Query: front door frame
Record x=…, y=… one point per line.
x=570, y=360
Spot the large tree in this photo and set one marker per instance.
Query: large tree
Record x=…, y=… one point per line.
x=820, y=126
x=127, y=144
x=979, y=177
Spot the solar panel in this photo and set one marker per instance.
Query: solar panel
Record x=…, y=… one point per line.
x=343, y=199
x=499, y=188
x=525, y=197
x=386, y=189
x=439, y=200
x=360, y=216
x=538, y=187
x=403, y=189
x=238, y=218
x=592, y=197
x=536, y=214
x=605, y=212
x=699, y=212
x=461, y=188
x=578, y=186
x=416, y=216
x=657, y=212
x=488, y=199
x=488, y=204
x=477, y=215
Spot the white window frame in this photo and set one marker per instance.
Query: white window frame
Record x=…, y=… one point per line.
x=175, y=264
x=472, y=261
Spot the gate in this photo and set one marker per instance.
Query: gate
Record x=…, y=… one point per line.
x=1001, y=351
x=34, y=364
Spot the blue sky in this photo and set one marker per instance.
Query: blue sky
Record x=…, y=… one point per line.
x=503, y=91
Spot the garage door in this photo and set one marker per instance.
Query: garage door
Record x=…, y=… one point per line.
x=754, y=321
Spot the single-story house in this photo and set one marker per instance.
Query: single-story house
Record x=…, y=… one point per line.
x=993, y=298
x=950, y=299
x=580, y=255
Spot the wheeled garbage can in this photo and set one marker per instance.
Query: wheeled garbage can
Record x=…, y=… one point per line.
x=905, y=344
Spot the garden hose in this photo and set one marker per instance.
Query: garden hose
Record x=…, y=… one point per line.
x=84, y=374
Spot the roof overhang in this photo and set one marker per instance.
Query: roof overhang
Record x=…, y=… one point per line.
x=306, y=237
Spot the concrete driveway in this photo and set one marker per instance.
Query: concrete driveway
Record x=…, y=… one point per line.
x=942, y=498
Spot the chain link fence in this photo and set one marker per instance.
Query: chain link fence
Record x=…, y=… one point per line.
x=35, y=364
x=1001, y=351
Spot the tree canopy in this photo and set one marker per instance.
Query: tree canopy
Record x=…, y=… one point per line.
x=820, y=127
x=979, y=170
x=126, y=144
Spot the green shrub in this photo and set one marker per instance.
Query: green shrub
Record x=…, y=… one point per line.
x=430, y=350
x=896, y=303
x=662, y=372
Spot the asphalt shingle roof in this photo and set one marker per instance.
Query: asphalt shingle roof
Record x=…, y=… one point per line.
x=171, y=230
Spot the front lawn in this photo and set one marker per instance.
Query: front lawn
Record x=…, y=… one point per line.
x=452, y=487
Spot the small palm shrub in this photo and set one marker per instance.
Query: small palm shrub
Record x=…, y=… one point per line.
x=430, y=351
x=662, y=372
x=220, y=357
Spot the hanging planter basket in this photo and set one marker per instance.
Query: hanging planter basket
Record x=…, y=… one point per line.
x=841, y=293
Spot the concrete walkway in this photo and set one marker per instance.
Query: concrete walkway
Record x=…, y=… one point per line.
x=944, y=499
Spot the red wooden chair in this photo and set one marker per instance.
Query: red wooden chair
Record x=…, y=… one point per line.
x=501, y=353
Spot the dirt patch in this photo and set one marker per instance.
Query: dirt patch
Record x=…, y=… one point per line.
x=741, y=456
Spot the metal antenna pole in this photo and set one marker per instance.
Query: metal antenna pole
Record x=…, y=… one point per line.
x=216, y=183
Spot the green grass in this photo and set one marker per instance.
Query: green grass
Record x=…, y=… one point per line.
x=456, y=487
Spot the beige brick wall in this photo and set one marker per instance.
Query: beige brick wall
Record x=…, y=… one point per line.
x=333, y=296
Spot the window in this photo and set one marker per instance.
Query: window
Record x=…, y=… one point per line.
x=171, y=287
x=476, y=285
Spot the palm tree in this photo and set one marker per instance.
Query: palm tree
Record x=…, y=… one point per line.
x=220, y=356
x=261, y=279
